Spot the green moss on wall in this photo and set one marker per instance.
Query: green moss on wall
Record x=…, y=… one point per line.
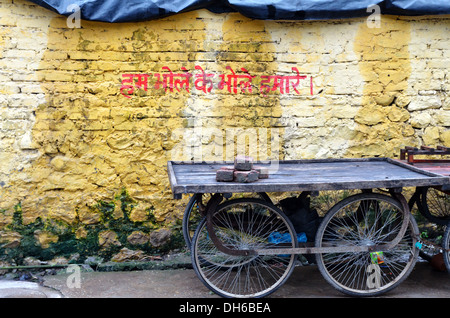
x=67, y=242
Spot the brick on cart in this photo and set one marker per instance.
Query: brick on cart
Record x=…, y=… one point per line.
x=263, y=172
x=243, y=163
x=225, y=174
x=246, y=176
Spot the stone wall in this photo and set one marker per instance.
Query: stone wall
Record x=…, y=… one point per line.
x=89, y=118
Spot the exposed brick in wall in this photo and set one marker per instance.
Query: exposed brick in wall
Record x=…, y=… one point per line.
x=70, y=138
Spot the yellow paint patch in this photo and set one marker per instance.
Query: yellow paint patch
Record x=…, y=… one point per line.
x=385, y=66
x=247, y=45
x=94, y=141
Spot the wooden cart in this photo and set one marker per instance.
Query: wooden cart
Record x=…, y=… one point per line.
x=433, y=202
x=247, y=247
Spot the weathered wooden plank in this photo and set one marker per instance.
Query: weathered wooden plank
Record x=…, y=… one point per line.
x=172, y=180
x=312, y=175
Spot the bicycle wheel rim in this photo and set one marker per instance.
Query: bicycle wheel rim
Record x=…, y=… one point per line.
x=243, y=276
x=187, y=223
x=435, y=205
x=446, y=247
x=364, y=273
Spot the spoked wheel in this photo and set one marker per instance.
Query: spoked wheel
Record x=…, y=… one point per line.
x=192, y=214
x=244, y=224
x=434, y=204
x=366, y=220
x=446, y=247
x=432, y=207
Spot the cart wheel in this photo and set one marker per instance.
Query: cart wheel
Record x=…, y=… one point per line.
x=192, y=215
x=191, y=218
x=366, y=220
x=244, y=224
x=446, y=247
x=434, y=205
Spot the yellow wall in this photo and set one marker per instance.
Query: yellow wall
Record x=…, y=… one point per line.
x=70, y=139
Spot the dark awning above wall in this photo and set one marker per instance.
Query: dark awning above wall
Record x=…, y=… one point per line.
x=141, y=10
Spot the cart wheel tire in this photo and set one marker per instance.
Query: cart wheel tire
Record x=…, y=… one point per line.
x=244, y=224
x=446, y=247
x=187, y=223
x=192, y=216
x=365, y=220
x=434, y=205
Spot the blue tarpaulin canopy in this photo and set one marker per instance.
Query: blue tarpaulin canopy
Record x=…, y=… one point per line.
x=141, y=10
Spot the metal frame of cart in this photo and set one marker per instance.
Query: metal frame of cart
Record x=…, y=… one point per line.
x=225, y=267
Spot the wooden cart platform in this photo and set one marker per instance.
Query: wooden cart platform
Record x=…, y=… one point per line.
x=306, y=175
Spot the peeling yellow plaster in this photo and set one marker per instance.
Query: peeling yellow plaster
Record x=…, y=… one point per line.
x=93, y=141
x=385, y=66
